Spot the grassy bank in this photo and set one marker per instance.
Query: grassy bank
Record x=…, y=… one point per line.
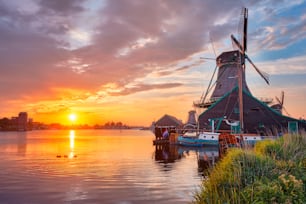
x=273, y=172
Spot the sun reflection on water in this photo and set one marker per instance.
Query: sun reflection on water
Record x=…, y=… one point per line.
x=71, y=139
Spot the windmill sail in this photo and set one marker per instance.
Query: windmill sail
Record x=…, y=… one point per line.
x=264, y=75
x=245, y=30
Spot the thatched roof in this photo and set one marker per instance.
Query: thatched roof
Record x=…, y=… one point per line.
x=168, y=121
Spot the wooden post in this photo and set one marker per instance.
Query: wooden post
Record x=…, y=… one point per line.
x=240, y=90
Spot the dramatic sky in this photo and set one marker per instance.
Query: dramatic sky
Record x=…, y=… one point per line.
x=135, y=60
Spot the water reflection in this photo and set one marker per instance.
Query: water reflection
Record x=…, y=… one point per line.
x=166, y=153
x=13, y=142
x=206, y=156
x=70, y=147
x=71, y=139
x=21, y=143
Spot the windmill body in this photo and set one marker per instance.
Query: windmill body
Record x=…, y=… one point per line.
x=227, y=77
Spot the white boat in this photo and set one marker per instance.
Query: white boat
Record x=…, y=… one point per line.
x=250, y=139
x=196, y=139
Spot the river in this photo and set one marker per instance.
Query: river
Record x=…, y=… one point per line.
x=97, y=166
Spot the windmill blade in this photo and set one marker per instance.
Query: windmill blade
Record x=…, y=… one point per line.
x=279, y=101
x=203, y=97
x=212, y=44
x=236, y=42
x=282, y=98
x=264, y=75
x=282, y=102
x=208, y=58
x=278, y=107
x=286, y=111
x=245, y=30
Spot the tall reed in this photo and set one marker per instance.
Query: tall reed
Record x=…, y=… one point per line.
x=273, y=172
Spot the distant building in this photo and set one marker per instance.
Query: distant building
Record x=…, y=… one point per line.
x=14, y=123
x=19, y=123
x=167, y=122
x=22, y=121
x=30, y=124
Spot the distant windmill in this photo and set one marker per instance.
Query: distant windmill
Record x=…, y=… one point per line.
x=191, y=118
x=280, y=105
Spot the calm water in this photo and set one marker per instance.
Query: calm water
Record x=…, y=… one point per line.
x=97, y=166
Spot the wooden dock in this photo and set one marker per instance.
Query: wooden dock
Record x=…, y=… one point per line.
x=160, y=142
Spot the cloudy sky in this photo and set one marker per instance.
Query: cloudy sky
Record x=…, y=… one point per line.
x=135, y=60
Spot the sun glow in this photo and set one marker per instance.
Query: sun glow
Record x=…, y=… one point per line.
x=72, y=117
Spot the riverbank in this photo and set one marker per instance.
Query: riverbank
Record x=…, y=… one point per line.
x=273, y=172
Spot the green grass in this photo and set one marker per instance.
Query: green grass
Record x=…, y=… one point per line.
x=273, y=172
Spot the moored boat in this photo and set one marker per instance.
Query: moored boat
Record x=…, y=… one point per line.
x=199, y=139
x=249, y=139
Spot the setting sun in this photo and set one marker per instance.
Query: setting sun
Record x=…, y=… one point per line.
x=72, y=117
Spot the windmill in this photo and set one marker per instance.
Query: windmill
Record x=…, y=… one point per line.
x=279, y=107
x=281, y=102
x=231, y=97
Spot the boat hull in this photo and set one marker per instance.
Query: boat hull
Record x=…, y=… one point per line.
x=196, y=142
x=249, y=140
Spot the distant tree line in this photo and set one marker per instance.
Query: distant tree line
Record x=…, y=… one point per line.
x=112, y=125
x=7, y=124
